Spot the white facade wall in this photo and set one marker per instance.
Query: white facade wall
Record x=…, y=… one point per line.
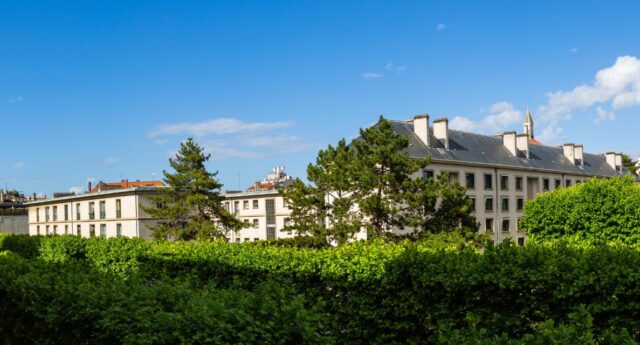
x=132, y=221
x=251, y=207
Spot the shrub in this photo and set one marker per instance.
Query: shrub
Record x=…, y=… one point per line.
x=599, y=210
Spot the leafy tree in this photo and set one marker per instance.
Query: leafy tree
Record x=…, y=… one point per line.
x=191, y=208
x=382, y=169
x=629, y=163
x=435, y=206
x=327, y=208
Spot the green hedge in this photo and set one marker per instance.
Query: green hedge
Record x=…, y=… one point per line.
x=369, y=293
x=599, y=210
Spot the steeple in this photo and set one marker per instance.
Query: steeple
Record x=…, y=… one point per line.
x=528, y=125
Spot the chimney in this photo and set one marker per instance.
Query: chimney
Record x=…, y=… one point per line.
x=421, y=128
x=522, y=143
x=619, y=161
x=89, y=186
x=569, y=152
x=611, y=160
x=579, y=154
x=441, y=131
x=509, y=142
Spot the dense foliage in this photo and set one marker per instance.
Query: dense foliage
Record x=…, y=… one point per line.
x=191, y=207
x=599, y=210
x=132, y=291
x=368, y=184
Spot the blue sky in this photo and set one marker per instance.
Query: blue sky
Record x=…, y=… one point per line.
x=108, y=90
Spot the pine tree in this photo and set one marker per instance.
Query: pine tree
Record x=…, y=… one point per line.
x=383, y=170
x=191, y=207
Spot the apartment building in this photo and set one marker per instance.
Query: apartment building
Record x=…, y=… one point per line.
x=109, y=213
x=261, y=207
x=502, y=172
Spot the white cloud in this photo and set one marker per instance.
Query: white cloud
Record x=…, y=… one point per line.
x=603, y=115
x=216, y=126
x=17, y=99
x=550, y=134
x=76, y=190
x=502, y=116
x=440, y=27
x=617, y=86
x=110, y=160
x=371, y=75
x=19, y=165
x=395, y=68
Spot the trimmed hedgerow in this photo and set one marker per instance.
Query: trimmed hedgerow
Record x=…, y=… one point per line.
x=372, y=292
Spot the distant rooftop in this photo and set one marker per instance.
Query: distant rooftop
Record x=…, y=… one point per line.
x=123, y=184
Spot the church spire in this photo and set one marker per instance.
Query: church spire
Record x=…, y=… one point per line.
x=528, y=125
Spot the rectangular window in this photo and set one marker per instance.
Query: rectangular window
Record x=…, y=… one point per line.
x=545, y=184
x=519, y=181
x=520, y=204
x=237, y=239
x=46, y=230
x=488, y=225
x=46, y=214
x=92, y=230
x=227, y=206
x=506, y=225
x=255, y=223
x=79, y=230
x=38, y=215
x=236, y=207
x=558, y=183
x=255, y=204
x=247, y=239
x=521, y=241
x=78, y=211
x=567, y=183
x=488, y=204
x=504, y=182
x=454, y=176
x=55, y=229
x=55, y=213
x=505, y=204
x=473, y=205
x=245, y=205
x=66, y=229
x=38, y=230
x=488, y=181
x=103, y=210
x=103, y=230
x=66, y=212
x=471, y=180
x=118, y=208
x=92, y=210
x=256, y=239
x=119, y=230
x=427, y=174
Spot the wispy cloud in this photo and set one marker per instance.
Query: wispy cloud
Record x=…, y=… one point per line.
x=371, y=75
x=603, y=115
x=440, y=27
x=19, y=165
x=16, y=99
x=501, y=116
x=395, y=68
x=110, y=160
x=76, y=190
x=232, y=138
x=216, y=126
x=573, y=50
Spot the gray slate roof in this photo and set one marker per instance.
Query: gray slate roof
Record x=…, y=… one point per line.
x=480, y=149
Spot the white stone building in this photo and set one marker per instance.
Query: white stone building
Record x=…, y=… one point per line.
x=502, y=172
x=109, y=213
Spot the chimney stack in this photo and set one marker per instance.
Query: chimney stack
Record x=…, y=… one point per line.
x=509, y=142
x=579, y=154
x=522, y=143
x=89, y=187
x=619, y=161
x=611, y=160
x=569, y=152
x=441, y=131
x=421, y=128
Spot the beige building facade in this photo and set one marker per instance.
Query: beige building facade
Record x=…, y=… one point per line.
x=264, y=211
x=111, y=213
